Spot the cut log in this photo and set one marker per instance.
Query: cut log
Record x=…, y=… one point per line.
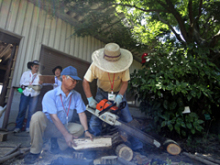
x=124, y=152
x=199, y=159
x=172, y=147
x=97, y=143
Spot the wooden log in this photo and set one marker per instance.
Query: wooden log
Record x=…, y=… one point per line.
x=13, y=150
x=97, y=143
x=172, y=147
x=208, y=158
x=124, y=152
x=6, y=158
x=199, y=159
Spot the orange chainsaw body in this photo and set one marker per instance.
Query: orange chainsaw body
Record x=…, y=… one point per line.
x=103, y=104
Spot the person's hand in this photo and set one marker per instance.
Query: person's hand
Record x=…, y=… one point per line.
x=92, y=102
x=69, y=139
x=89, y=135
x=118, y=100
x=40, y=82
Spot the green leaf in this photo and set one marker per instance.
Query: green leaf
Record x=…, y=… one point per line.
x=200, y=121
x=177, y=128
x=183, y=132
x=165, y=103
x=170, y=126
x=193, y=93
x=189, y=125
x=193, y=131
x=189, y=97
x=199, y=128
x=163, y=124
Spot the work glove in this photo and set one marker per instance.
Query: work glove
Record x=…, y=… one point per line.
x=118, y=99
x=92, y=102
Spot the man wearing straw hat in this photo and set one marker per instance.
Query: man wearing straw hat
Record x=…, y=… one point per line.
x=110, y=67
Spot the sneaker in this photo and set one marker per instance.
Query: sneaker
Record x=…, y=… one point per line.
x=31, y=158
x=54, y=148
x=27, y=130
x=16, y=130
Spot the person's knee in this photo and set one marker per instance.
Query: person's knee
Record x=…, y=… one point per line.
x=38, y=116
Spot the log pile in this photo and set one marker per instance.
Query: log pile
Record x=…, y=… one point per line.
x=14, y=153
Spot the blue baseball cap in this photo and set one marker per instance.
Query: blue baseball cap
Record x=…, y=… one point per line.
x=70, y=71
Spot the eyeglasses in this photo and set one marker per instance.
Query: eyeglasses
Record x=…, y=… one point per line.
x=68, y=77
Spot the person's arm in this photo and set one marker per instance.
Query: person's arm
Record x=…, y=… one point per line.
x=86, y=88
x=68, y=137
x=83, y=120
x=22, y=80
x=124, y=87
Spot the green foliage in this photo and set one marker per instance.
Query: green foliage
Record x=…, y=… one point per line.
x=172, y=78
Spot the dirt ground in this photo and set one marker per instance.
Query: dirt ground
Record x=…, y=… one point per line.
x=46, y=157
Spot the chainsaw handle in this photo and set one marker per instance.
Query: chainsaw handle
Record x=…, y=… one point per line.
x=106, y=109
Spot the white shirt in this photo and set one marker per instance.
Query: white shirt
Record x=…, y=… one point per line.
x=57, y=83
x=28, y=78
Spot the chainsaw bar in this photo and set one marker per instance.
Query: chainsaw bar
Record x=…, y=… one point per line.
x=134, y=132
x=112, y=119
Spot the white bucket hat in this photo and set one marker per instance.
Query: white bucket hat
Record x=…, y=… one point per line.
x=112, y=58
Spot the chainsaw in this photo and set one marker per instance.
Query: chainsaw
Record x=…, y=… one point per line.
x=107, y=112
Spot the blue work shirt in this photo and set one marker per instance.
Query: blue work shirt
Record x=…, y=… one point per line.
x=52, y=104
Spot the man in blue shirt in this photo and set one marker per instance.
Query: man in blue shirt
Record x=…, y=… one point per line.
x=55, y=120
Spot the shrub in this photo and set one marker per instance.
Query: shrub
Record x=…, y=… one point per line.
x=175, y=77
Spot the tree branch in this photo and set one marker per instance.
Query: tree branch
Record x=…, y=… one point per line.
x=191, y=19
x=172, y=29
x=151, y=10
x=200, y=10
x=190, y=13
x=179, y=20
x=215, y=40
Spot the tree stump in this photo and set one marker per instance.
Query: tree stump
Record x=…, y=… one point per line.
x=172, y=147
x=124, y=152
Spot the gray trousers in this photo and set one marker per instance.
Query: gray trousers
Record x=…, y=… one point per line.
x=41, y=127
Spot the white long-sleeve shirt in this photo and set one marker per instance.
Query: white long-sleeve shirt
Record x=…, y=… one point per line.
x=28, y=78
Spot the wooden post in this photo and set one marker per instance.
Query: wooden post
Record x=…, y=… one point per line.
x=8, y=108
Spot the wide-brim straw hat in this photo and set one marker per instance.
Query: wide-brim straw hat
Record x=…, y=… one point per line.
x=112, y=58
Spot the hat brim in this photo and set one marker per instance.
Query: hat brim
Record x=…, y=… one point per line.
x=75, y=77
x=112, y=66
